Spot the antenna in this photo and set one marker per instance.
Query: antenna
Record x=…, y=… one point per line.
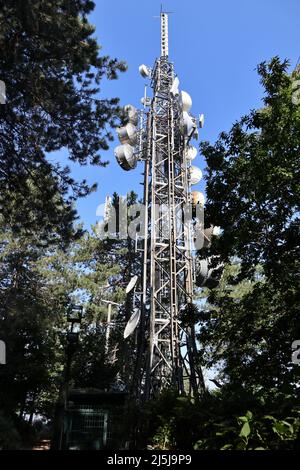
x=164, y=31
x=164, y=34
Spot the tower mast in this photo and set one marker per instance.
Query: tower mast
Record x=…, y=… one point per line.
x=170, y=359
x=166, y=353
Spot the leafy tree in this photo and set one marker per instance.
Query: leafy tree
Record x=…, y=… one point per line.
x=253, y=182
x=250, y=321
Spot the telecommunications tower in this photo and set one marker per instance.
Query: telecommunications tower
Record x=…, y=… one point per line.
x=160, y=135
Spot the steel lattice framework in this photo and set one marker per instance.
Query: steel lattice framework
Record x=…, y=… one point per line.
x=166, y=349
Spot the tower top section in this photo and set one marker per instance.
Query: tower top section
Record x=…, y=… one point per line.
x=164, y=34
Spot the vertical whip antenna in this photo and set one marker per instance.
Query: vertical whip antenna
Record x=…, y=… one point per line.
x=164, y=34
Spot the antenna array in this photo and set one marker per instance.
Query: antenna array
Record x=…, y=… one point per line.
x=165, y=348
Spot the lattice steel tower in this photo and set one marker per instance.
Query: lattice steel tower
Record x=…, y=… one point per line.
x=166, y=354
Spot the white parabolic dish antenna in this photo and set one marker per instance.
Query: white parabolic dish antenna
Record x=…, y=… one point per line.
x=127, y=134
x=202, y=272
x=132, y=323
x=191, y=152
x=132, y=114
x=198, y=198
x=212, y=231
x=195, y=174
x=131, y=284
x=125, y=157
x=186, y=101
x=144, y=71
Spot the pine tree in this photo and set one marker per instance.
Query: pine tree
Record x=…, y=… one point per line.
x=52, y=70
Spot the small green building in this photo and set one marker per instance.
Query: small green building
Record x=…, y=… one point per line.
x=94, y=420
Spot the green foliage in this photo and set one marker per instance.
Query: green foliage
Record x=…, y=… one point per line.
x=253, y=182
x=219, y=421
x=163, y=437
x=30, y=314
x=250, y=432
x=52, y=69
x=251, y=319
x=168, y=422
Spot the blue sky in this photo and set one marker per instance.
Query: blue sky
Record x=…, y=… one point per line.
x=215, y=46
